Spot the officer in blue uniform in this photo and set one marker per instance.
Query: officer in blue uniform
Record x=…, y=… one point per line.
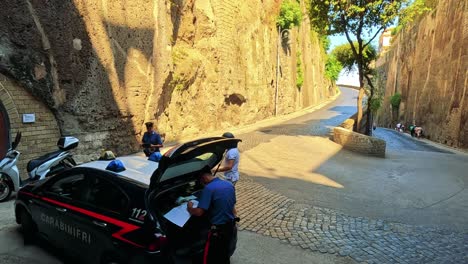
x=151, y=140
x=217, y=199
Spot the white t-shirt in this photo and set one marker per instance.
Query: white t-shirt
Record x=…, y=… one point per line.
x=233, y=174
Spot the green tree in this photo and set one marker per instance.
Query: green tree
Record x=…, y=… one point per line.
x=360, y=21
x=290, y=14
x=344, y=54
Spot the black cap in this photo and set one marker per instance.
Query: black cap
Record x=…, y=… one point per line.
x=149, y=124
x=205, y=169
x=228, y=135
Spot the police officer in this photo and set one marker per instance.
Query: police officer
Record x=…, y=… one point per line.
x=151, y=140
x=217, y=199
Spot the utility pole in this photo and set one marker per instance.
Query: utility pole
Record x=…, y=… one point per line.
x=280, y=35
x=277, y=69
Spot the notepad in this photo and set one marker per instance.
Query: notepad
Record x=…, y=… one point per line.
x=179, y=214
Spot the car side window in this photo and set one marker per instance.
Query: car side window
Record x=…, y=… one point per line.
x=107, y=196
x=71, y=187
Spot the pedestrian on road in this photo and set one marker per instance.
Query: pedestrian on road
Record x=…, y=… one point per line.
x=231, y=162
x=217, y=199
x=411, y=128
x=151, y=141
x=418, y=131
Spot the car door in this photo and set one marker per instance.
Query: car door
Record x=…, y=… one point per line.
x=51, y=211
x=100, y=217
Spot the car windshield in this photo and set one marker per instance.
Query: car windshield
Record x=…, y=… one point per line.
x=189, y=166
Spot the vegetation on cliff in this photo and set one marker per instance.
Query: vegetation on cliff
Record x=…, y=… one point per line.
x=413, y=11
x=395, y=100
x=290, y=14
x=333, y=67
x=299, y=71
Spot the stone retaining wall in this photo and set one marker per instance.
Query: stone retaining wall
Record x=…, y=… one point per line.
x=359, y=143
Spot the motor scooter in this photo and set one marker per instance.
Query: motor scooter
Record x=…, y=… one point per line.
x=9, y=175
x=54, y=162
x=44, y=166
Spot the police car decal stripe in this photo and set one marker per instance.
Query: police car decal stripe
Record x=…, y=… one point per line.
x=126, y=227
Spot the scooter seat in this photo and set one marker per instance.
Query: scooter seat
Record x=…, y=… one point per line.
x=32, y=164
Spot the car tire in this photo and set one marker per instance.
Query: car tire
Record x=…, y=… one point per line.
x=6, y=187
x=28, y=226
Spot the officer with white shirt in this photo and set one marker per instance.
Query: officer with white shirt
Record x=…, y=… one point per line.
x=231, y=162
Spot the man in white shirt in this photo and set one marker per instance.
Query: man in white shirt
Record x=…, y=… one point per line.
x=231, y=162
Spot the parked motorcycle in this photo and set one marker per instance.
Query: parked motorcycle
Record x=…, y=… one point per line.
x=38, y=169
x=9, y=175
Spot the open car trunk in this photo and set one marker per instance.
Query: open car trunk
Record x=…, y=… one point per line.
x=177, y=176
x=185, y=242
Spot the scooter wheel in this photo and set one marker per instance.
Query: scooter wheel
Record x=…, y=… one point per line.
x=5, y=188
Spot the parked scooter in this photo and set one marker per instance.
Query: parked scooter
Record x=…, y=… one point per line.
x=38, y=169
x=9, y=175
x=53, y=162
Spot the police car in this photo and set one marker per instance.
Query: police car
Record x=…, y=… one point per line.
x=100, y=216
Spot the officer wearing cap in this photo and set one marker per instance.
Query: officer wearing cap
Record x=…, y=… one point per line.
x=217, y=199
x=151, y=140
x=231, y=162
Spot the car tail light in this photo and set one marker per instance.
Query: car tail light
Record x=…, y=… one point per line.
x=158, y=243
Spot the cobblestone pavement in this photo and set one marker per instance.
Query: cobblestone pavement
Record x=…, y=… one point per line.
x=328, y=231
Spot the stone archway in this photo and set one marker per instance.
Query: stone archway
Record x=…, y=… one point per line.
x=38, y=137
x=4, y=131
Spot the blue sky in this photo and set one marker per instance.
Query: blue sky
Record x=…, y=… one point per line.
x=352, y=78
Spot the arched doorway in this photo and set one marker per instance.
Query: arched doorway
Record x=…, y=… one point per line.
x=4, y=131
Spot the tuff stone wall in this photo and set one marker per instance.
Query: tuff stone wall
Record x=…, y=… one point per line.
x=37, y=138
x=428, y=65
x=359, y=143
x=106, y=67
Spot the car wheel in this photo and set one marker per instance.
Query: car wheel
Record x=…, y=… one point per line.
x=27, y=225
x=6, y=187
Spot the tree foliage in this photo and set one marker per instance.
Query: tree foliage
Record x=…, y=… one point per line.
x=413, y=11
x=299, y=71
x=360, y=21
x=395, y=100
x=332, y=68
x=344, y=54
x=376, y=103
x=290, y=14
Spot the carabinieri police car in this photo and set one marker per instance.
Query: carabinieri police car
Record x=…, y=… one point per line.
x=100, y=216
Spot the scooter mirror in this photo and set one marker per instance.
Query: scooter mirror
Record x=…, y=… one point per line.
x=17, y=140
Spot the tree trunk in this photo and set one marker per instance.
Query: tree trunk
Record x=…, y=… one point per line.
x=369, y=109
x=359, y=109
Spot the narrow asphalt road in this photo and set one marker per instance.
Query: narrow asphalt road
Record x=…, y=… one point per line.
x=401, y=141
x=317, y=123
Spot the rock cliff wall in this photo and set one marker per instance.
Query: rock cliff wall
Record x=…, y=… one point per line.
x=428, y=65
x=105, y=67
